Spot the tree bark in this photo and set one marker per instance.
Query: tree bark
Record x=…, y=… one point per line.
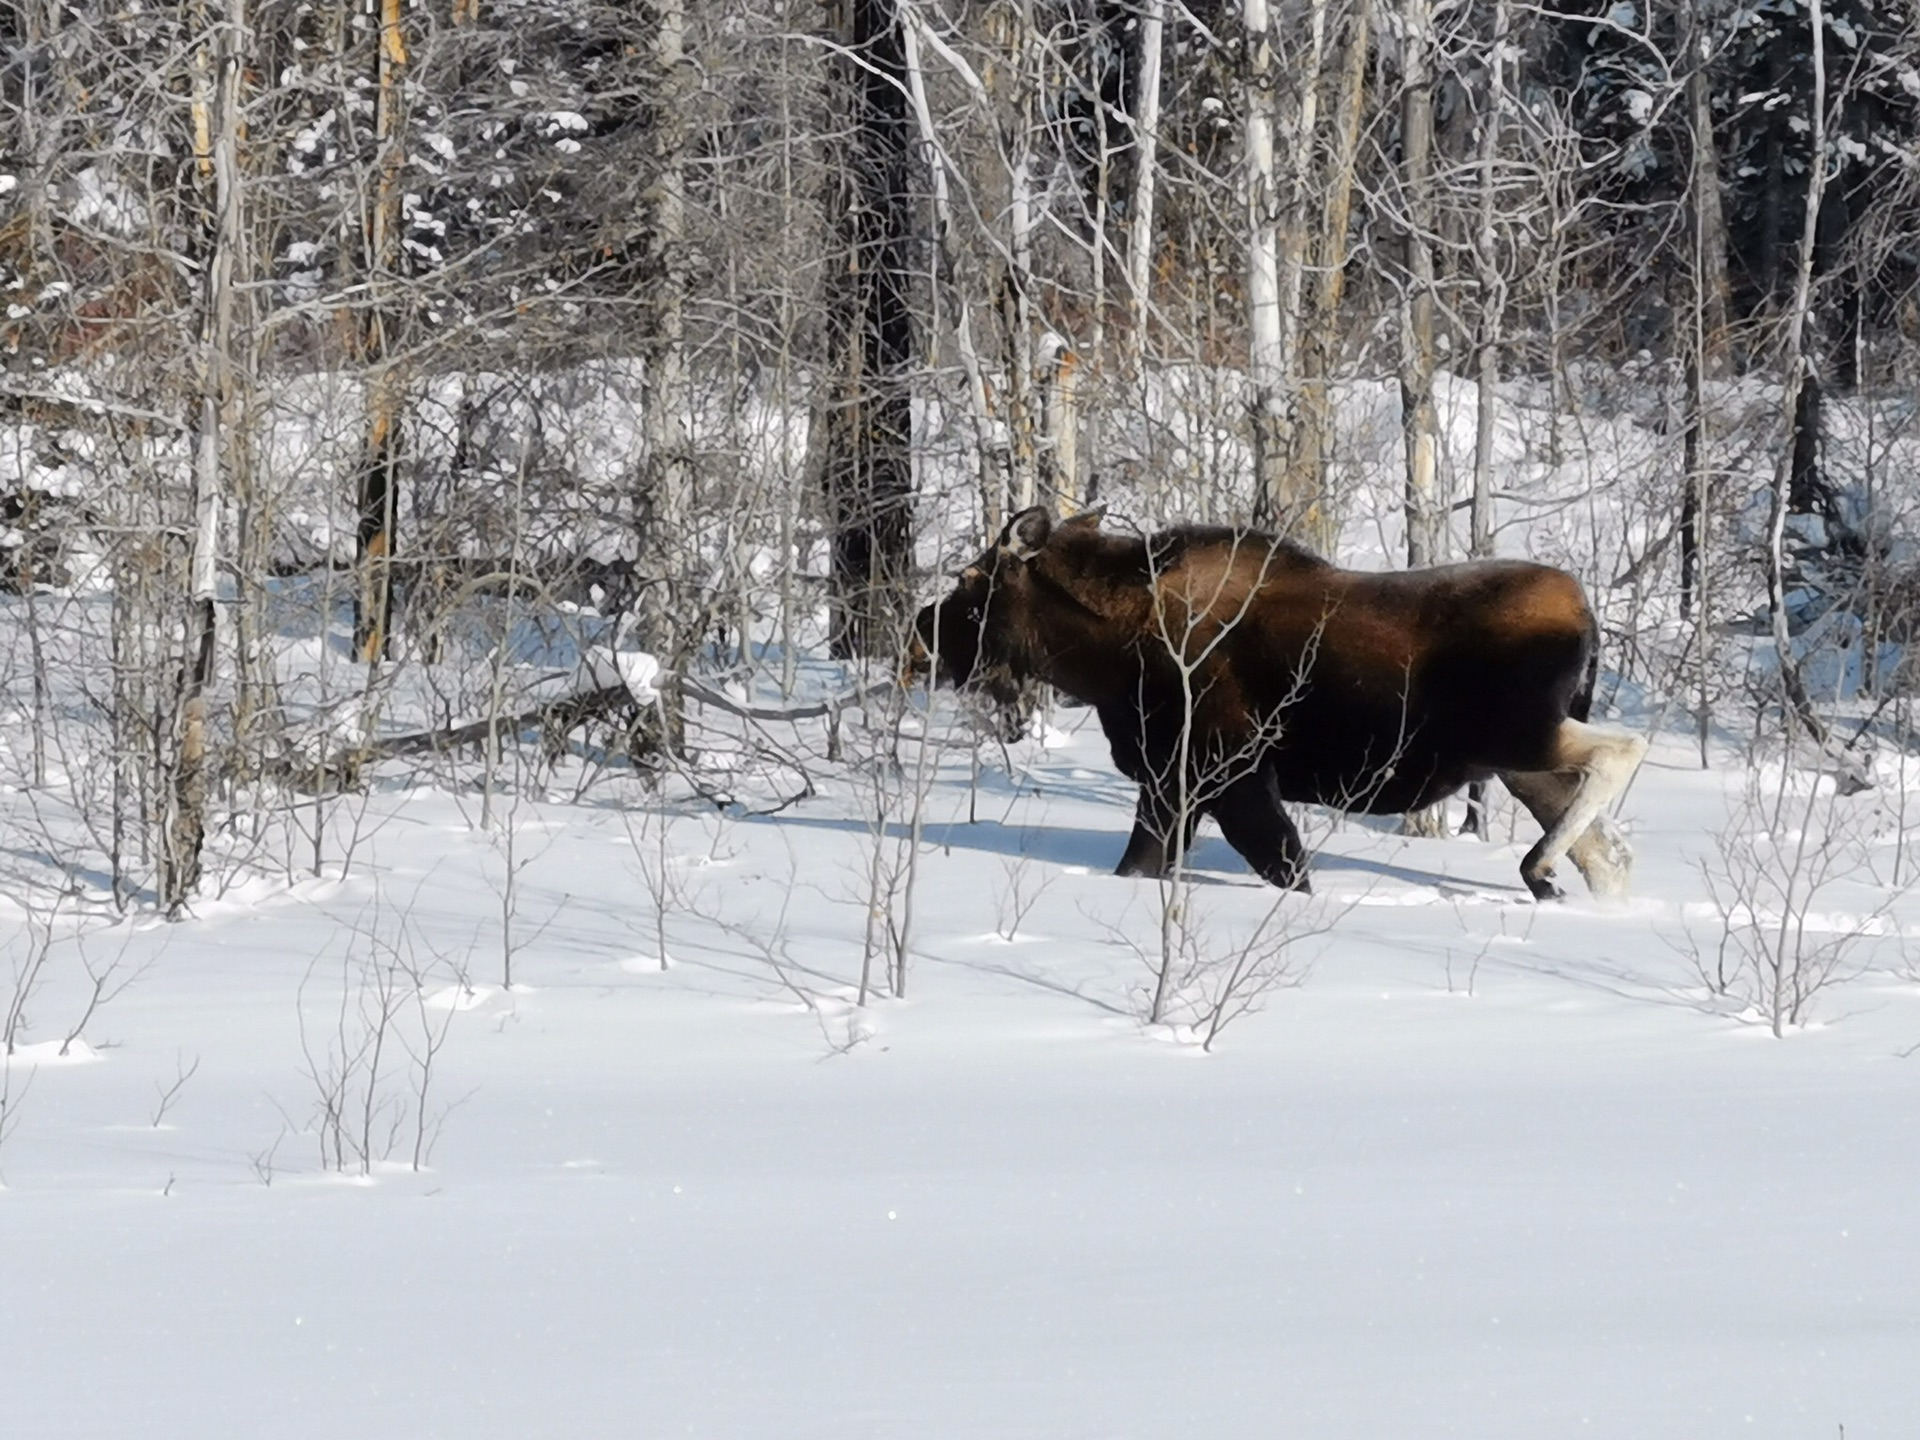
x=1016, y=111
x=386, y=392
x=664, y=506
x=988, y=476
x=1425, y=515
x=1708, y=345
x=1153, y=24
x=1311, y=456
x=1709, y=217
x=1493, y=292
x=1266, y=354
x=1419, y=423
x=867, y=460
x=1490, y=322
x=216, y=141
x=1797, y=705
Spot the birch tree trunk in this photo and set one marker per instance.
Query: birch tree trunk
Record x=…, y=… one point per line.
x=1425, y=516
x=1420, y=426
x=1266, y=358
x=939, y=164
x=1709, y=218
x=216, y=141
x=379, y=474
x=1311, y=458
x=1153, y=24
x=1491, y=279
x=1491, y=275
x=1797, y=705
x=664, y=506
x=1707, y=352
x=1016, y=286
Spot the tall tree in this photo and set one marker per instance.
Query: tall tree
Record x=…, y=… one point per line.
x=867, y=457
x=379, y=488
x=666, y=494
x=1152, y=30
x=1419, y=422
x=217, y=76
x=1267, y=359
x=1320, y=325
x=1425, y=514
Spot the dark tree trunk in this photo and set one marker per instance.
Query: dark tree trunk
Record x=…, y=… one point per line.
x=373, y=601
x=867, y=460
x=1690, y=485
x=1807, y=490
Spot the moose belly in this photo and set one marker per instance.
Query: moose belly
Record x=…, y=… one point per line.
x=1392, y=787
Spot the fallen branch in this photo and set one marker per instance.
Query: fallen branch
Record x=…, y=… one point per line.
x=614, y=682
x=833, y=705
x=554, y=718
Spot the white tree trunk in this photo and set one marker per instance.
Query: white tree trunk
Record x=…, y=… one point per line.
x=1266, y=357
x=1797, y=706
x=666, y=502
x=940, y=167
x=217, y=139
x=1311, y=460
x=1493, y=290
x=1425, y=517
x=1302, y=134
x=1153, y=24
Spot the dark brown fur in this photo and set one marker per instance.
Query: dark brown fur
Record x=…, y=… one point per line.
x=1304, y=682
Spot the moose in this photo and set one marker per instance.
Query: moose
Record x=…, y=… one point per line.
x=1234, y=671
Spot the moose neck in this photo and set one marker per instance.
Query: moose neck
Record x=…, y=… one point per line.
x=1076, y=644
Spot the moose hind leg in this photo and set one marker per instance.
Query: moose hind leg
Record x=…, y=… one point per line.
x=1592, y=767
x=1600, y=853
x=1256, y=824
x=1148, y=852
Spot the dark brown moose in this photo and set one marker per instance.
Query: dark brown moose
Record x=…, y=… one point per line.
x=1233, y=671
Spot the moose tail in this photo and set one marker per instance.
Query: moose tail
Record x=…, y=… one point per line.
x=1582, y=703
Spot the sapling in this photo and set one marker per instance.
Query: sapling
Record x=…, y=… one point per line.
x=169, y=1093
x=1790, y=837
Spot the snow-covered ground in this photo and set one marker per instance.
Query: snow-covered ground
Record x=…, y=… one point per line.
x=1477, y=1168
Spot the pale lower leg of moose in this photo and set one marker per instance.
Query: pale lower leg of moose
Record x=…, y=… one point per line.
x=1148, y=853
x=1256, y=824
x=1600, y=853
x=1592, y=767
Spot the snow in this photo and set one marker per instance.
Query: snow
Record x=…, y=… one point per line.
x=1480, y=1168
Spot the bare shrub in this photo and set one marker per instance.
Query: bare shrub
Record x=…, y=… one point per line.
x=1789, y=839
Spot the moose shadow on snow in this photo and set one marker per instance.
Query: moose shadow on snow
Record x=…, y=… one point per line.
x=1211, y=860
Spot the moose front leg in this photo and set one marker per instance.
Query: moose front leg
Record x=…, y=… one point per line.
x=1148, y=853
x=1256, y=824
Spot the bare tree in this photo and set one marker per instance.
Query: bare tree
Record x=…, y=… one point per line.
x=379, y=497
x=865, y=454
x=1419, y=421
x=217, y=125
x=665, y=501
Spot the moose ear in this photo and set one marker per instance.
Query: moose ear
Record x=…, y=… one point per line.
x=1086, y=521
x=1027, y=533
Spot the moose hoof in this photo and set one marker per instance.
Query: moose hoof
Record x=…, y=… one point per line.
x=1543, y=887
